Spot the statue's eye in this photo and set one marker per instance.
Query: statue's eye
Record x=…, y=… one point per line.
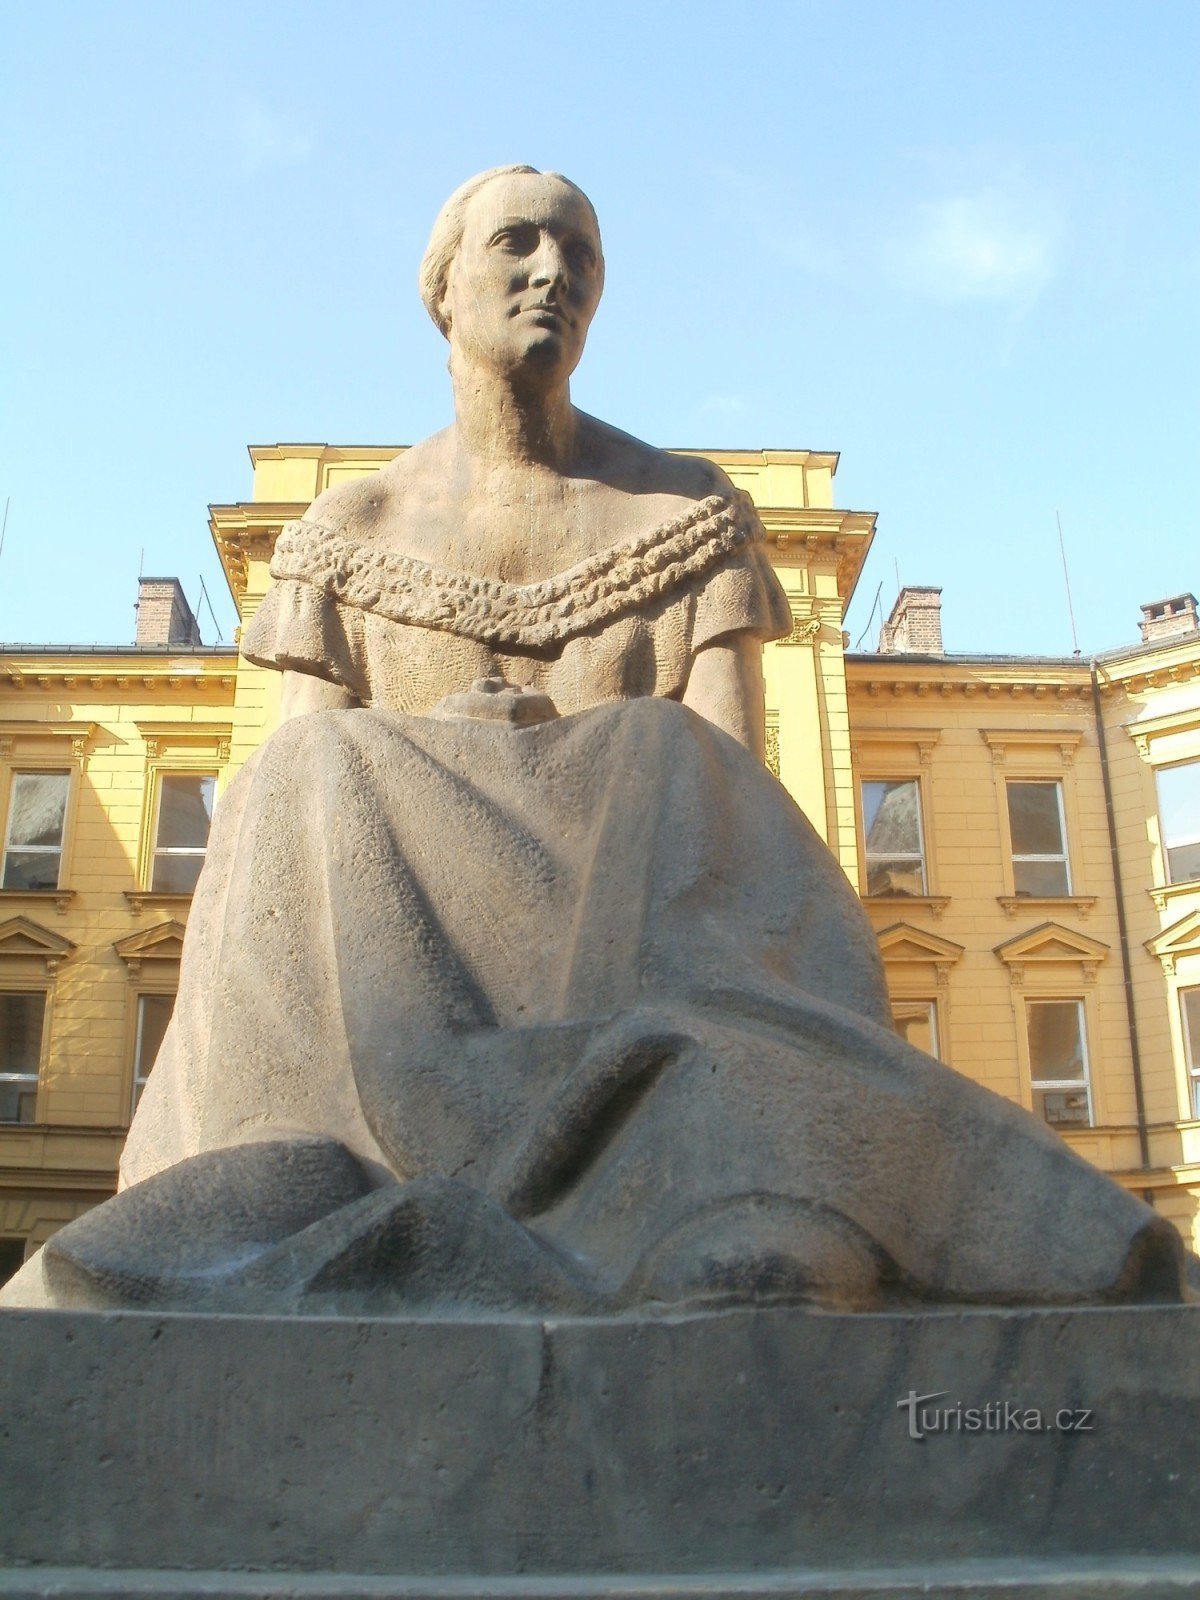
x=581, y=256
x=516, y=241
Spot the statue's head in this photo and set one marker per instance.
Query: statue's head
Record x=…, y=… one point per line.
x=514, y=270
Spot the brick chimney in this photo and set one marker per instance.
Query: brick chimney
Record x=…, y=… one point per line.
x=915, y=625
x=1163, y=619
x=163, y=614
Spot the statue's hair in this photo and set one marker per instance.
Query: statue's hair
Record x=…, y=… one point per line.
x=448, y=231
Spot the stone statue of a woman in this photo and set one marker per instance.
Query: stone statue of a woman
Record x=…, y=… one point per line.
x=513, y=981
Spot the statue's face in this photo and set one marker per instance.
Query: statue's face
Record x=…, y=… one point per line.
x=526, y=280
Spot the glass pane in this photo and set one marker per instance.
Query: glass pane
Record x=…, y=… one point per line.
x=891, y=818
x=1189, y=1001
x=18, y=1100
x=1063, y=1107
x=184, y=810
x=915, y=1022
x=21, y=1018
x=12, y=1258
x=1040, y=878
x=39, y=808
x=1179, y=804
x=1055, y=1040
x=895, y=877
x=1183, y=862
x=1033, y=816
x=154, y=1012
x=176, y=874
x=32, y=869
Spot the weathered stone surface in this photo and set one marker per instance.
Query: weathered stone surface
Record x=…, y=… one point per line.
x=738, y=1453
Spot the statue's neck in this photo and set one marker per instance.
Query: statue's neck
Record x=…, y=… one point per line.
x=501, y=424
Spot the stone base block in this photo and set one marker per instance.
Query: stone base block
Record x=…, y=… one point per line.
x=711, y=1456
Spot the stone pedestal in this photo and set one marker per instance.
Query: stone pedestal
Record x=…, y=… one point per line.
x=736, y=1454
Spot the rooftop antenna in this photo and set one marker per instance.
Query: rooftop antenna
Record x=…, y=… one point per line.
x=211, y=612
x=1062, y=550
x=4, y=524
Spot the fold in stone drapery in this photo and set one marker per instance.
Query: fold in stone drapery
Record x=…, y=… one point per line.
x=597, y=985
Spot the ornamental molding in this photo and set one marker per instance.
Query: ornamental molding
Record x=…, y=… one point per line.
x=22, y=939
x=1182, y=938
x=159, y=944
x=52, y=736
x=944, y=680
x=1145, y=730
x=904, y=946
x=193, y=738
x=865, y=742
x=1051, y=944
x=1001, y=740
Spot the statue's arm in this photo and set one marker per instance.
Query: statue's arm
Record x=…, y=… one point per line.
x=303, y=693
x=726, y=686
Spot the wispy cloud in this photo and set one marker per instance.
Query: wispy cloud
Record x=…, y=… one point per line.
x=723, y=405
x=265, y=139
x=998, y=242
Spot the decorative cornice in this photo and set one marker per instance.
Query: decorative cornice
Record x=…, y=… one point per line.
x=78, y=735
x=160, y=737
x=1051, y=944
x=156, y=900
x=1182, y=938
x=79, y=671
x=1000, y=740
x=22, y=939
x=1081, y=904
x=60, y=898
x=160, y=944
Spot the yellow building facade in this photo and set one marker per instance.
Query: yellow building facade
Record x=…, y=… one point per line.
x=1025, y=834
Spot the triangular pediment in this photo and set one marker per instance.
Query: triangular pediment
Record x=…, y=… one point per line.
x=901, y=941
x=1052, y=942
x=163, y=942
x=23, y=939
x=1181, y=938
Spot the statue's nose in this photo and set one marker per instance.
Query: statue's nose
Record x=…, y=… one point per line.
x=549, y=266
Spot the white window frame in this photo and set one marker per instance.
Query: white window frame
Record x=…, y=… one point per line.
x=34, y=1078
x=1064, y=856
x=140, y=1079
x=894, y=855
x=190, y=851
x=930, y=1007
x=1068, y=1085
x=1191, y=1047
x=1170, y=844
x=46, y=849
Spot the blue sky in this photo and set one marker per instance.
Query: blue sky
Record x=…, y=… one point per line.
x=959, y=243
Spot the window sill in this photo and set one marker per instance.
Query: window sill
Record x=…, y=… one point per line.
x=157, y=900
x=61, y=897
x=1163, y=894
x=1079, y=903
x=936, y=903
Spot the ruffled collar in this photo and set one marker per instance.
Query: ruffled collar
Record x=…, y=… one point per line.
x=625, y=577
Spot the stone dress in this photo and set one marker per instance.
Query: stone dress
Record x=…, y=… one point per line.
x=552, y=1001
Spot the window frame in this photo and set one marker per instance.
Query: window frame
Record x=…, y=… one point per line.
x=898, y=777
x=25, y=985
x=1037, y=1084
x=1040, y=857
x=1191, y=1048
x=169, y=769
x=36, y=769
x=143, y=991
x=1165, y=846
x=933, y=1011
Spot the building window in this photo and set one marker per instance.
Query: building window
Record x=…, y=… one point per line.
x=916, y=1023
x=37, y=816
x=1058, y=1064
x=12, y=1258
x=21, y=1020
x=1189, y=1004
x=153, y=1014
x=1039, y=840
x=185, y=804
x=1179, y=813
x=892, y=829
